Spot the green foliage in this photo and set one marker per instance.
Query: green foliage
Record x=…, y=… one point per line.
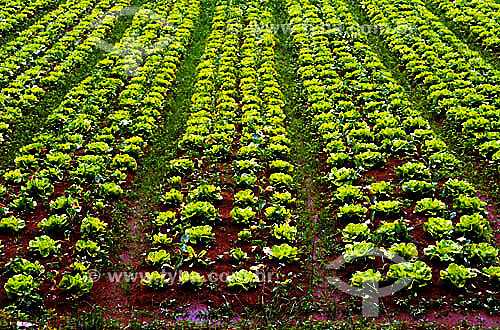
x=458, y=274
x=348, y=194
x=243, y=215
x=19, y=265
x=154, y=280
x=55, y=223
x=193, y=278
x=173, y=198
x=389, y=232
x=243, y=278
x=165, y=219
x=484, y=252
x=205, y=193
x=387, y=207
x=199, y=212
x=368, y=276
x=430, y=206
x=439, y=227
x=44, y=245
x=416, y=188
x=158, y=258
x=12, y=224
x=283, y=252
x=444, y=250
x=199, y=234
x=355, y=232
x=78, y=284
x=284, y=231
x=381, y=189
x=469, y=205
x=418, y=272
x=475, y=225
x=87, y=247
x=358, y=250
x=281, y=180
x=352, y=212
x=21, y=286
x=407, y=251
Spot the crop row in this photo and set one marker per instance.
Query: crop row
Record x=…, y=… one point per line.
x=228, y=200
x=455, y=80
x=66, y=180
x=479, y=20
x=14, y=13
x=391, y=178
x=24, y=92
x=33, y=42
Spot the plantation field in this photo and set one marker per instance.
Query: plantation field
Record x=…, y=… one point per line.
x=273, y=164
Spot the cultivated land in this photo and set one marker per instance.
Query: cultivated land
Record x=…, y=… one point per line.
x=206, y=163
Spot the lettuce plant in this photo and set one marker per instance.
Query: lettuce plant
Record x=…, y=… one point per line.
x=282, y=198
x=181, y=167
x=430, y=206
x=92, y=226
x=243, y=215
x=413, y=171
x=348, y=194
x=158, y=258
x=453, y=188
x=284, y=231
x=458, y=274
x=416, y=188
x=39, y=187
x=56, y=223
x=199, y=234
x=407, y=251
x=281, y=166
x=195, y=258
x=493, y=272
x=238, y=254
x=21, y=286
x=484, y=252
x=281, y=180
x=205, y=193
x=172, y=198
x=389, y=232
x=469, y=205
x=87, y=247
x=355, y=232
x=475, y=225
x=111, y=189
x=154, y=280
x=66, y=204
x=387, y=207
x=358, y=250
x=283, y=252
x=418, y=272
x=246, y=180
x=193, y=278
x=77, y=284
x=444, y=250
x=44, y=245
x=245, y=198
x=439, y=227
x=19, y=265
x=165, y=219
x=243, y=278
x=161, y=239
x=125, y=162
x=352, y=212
x=199, y=212
x=278, y=214
x=369, y=276
x=12, y=224
x=381, y=189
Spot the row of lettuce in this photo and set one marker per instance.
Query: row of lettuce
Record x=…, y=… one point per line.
x=479, y=20
x=80, y=160
x=390, y=177
x=41, y=58
x=455, y=80
x=228, y=199
x=14, y=14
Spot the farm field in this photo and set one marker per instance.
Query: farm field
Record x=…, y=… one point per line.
x=272, y=164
